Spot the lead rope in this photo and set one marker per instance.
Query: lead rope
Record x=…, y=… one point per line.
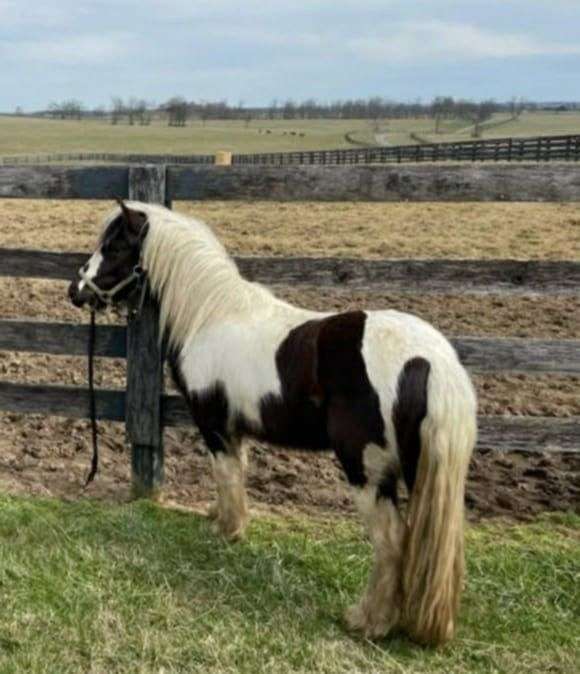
x=91, y=376
x=92, y=401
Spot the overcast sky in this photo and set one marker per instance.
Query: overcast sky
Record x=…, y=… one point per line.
x=258, y=50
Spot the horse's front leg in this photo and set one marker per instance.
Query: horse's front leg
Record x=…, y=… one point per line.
x=230, y=512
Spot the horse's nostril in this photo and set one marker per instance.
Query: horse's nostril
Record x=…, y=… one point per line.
x=75, y=296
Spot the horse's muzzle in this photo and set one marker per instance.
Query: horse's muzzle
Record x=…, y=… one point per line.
x=80, y=297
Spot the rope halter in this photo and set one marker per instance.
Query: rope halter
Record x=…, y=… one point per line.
x=107, y=296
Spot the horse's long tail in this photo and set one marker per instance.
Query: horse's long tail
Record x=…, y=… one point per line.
x=433, y=563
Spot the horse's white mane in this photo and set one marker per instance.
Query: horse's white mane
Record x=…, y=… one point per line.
x=193, y=276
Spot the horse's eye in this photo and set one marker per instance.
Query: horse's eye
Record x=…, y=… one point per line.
x=109, y=247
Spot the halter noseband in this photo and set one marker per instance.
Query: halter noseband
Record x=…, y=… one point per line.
x=107, y=296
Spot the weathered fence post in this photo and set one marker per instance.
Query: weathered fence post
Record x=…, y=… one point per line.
x=145, y=362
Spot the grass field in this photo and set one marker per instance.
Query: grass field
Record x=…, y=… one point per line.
x=528, y=124
x=398, y=131
x=22, y=135
x=28, y=135
x=136, y=588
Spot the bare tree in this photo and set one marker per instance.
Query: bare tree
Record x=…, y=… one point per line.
x=443, y=107
x=54, y=109
x=133, y=110
x=99, y=112
x=143, y=111
x=70, y=109
x=117, y=110
x=177, y=111
x=482, y=112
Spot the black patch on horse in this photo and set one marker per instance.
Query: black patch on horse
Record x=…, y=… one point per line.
x=388, y=486
x=354, y=414
x=327, y=398
x=408, y=412
x=210, y=411
x=297, y=417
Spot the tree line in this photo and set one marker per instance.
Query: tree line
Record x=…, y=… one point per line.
x=177, y=111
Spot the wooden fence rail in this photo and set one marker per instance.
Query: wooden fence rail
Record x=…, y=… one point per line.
x=426, y=276
x=482, y=354
x=531, y=434
x=559, y=183
x=114, y=157
x=145, y=409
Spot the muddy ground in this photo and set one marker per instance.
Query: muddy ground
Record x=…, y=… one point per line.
x=50, y=456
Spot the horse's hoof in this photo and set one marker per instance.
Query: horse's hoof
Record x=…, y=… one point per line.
x=212, y=511
x=227, y=532
x=355, y=618
x=358, y=619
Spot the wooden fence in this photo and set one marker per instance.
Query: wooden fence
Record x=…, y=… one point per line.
x=143, y=406
x=102, y=157
x=536, y=149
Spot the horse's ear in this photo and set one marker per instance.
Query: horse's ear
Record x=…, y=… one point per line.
x=134, y=220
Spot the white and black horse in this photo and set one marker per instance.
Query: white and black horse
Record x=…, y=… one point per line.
x=383, y=389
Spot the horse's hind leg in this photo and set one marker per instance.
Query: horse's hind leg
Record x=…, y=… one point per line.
x=231, y=509
x=379, y=609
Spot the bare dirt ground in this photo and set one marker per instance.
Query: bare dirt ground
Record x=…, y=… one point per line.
x=50, y=456
x=366, y=230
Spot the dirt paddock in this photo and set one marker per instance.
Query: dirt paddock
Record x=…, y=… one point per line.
x=50, y=456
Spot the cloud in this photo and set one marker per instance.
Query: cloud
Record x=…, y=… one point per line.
x=75, y=50
x=258, y=37
x=15, y=14
x=258, y=51
x=427, y=40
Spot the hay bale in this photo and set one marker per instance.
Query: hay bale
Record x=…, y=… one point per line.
x=223, y=158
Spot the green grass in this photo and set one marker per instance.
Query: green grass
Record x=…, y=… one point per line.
x=28, y=135
x=136, y=588
x=398, y=131
x=528, y=124
x=24, y=135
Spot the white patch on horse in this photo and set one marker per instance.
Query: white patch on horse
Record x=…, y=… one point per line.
x=403, y=336
x=376, y=460
x=239, y=355
x=93, y=267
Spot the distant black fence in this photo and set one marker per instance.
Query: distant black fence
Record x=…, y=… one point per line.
x=543, y=148
x=536, y=149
